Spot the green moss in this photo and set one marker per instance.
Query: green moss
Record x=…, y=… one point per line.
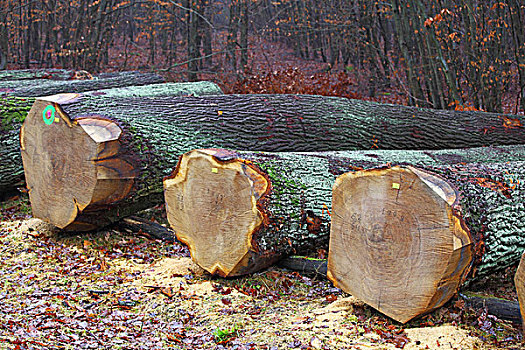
x=13, y=111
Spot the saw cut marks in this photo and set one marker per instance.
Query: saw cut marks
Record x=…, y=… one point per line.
x=395, y=241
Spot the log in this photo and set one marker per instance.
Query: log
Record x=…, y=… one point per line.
x=404, y=238
x=305, y=123
x=45, y=87
x=241, y=211
x=43, y=73
x=519, y=282
x=13, y=111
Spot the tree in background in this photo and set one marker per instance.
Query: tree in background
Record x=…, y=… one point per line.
x=436, y=53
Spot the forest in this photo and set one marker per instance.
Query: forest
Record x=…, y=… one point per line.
x=439, y=54
x=262, y=174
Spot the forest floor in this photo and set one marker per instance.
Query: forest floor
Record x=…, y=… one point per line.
x=113, y=290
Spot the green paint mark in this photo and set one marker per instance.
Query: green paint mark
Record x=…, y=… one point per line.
x=49, y=115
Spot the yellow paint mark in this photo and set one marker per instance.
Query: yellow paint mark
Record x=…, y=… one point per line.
x=395, y=185
x=214, y=170
x=219, y=113
x=57, y=120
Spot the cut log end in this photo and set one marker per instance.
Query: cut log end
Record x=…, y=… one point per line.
x=519, y=282
x=396, y=242
x=211, y=202
x=63, y=182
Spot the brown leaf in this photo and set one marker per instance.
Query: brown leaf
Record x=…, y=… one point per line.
x=331, y=298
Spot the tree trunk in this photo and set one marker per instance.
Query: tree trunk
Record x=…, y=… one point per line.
x=519, y=282
x=39, y=87
x=404, y=238
x=13, y=111
x=239, y=212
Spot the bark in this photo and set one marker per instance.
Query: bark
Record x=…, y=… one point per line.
x=239, y=212
x=135, y=224
x=13, y=111
x=313, y=123
x=33, y=88
x=403, y=239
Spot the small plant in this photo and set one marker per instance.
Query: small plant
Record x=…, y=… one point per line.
x=224, y=335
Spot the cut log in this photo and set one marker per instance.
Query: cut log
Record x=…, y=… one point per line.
x=519, y=282
x=45, y=73
x=13, y=111
x=304, y=123
x=45, y=87
x=404, y=238
x=238, y=212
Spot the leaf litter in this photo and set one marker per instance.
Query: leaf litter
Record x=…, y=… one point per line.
x=112, y=290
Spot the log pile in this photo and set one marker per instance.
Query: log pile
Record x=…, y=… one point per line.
x=13, y=111
x=145, y=136
x=404, y=227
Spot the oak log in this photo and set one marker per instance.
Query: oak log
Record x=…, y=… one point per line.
x=403, y=238
x=45, y=87
x=42, y=73
x=240, y=211
x=155, y=131
x=13, y=111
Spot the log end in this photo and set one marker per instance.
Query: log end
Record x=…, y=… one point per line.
x=72, y=166
x=519, y=282
x=396, y=241
x=212, y=205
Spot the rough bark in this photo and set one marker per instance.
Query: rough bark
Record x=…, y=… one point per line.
x=45, y=87
x=13, y=111
x=519, y=282
x=45, y=73
x=404, y=238
x=311, y=123
x=239, y=212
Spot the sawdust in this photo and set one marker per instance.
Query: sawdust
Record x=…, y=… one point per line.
x=442, y=337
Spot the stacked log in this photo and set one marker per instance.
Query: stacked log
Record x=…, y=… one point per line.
x=403, y=238
x=44, y=87
x=133, y=142
x=43, y=73
x=241, y=211
x=13, y=111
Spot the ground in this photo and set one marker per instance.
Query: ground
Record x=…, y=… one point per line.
x=116, y=290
